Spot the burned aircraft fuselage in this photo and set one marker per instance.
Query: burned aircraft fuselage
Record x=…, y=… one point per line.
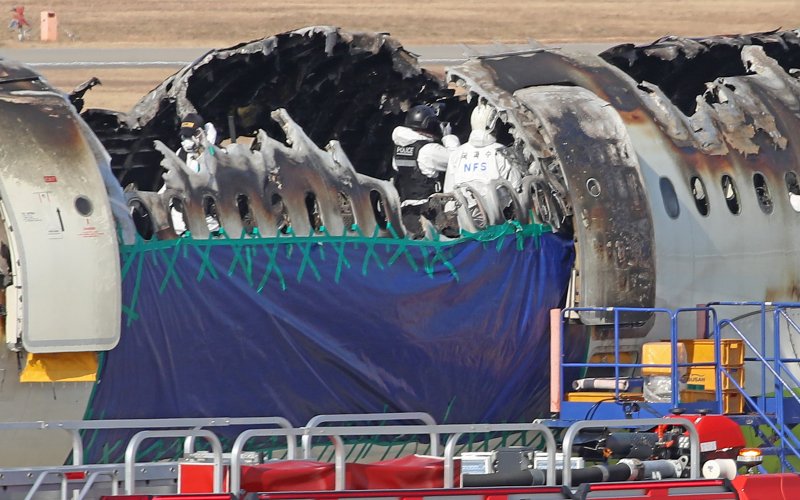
x=667, y=208
x=646, y=155
x=673, y=166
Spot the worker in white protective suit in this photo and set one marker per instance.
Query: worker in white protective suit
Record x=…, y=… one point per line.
x=197, y=137
x=480, y=160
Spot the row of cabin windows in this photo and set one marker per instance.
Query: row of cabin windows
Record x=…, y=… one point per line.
x=730, y=193
x=141, y=215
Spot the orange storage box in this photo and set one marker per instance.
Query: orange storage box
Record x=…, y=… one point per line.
x=702, y=351
x=732, y=401
x=661, y=353
x=704, y=378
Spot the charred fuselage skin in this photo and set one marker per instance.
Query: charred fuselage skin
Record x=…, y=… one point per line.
x=639, y=245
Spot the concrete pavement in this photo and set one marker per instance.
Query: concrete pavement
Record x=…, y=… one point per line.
x=131, y=57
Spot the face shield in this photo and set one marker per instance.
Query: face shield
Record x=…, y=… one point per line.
x=191, y=144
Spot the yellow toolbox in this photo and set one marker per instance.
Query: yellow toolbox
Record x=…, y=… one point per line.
x=703, y=378
x=732, y=401
x=702, y=351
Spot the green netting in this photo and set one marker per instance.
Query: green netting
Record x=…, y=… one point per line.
x=421, y=256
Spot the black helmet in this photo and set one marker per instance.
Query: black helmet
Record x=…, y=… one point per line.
x=191, y=123
x=423, y=118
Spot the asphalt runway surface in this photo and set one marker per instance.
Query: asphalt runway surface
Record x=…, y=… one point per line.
x=67, y=57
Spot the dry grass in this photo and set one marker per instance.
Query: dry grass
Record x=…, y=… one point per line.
x=206, y=23
x=121, y=88
x=215, y=23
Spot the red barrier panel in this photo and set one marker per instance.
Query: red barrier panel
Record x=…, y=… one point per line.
x=205, y=496
x=289, y=475
x=493, y=493
x=411, y=472
x=126, y=497
x=768, y=486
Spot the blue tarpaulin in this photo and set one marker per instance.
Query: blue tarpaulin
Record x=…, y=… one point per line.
x=264, y=327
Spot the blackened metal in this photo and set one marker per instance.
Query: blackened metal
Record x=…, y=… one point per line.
x=681, y=67
x=350, y=87
x=277, y=181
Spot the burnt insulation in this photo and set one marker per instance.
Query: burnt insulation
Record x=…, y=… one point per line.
x=681, y=67
x=353, y=88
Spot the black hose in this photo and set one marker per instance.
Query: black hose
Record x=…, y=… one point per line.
x=601, y=474
x=639, y=445
x=529, y=477
x=536, y=477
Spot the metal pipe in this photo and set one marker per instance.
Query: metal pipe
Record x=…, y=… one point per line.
x=576, y=428
x=188, y=444
x=779, y=386
x=232, y=128
x=244, y=437
x=527, y=477
x=425, y=418
x=37, y=484
x=136, y=440
x=556, y=372
x=90, y=480
x=661, y=469
x=449, y=449
x=339, y=463
x=77, y=447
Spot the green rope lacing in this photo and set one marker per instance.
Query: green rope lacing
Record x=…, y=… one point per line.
x=253, y=247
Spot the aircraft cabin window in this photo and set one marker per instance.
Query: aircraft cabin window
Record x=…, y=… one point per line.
x=762, y=193
x=794, y=190
x=669, y=198
x=278, y=208
x=731, y=195
x=377, y=208
x=245, y=213
x=83, y=205
x=210, y=211
x=314, y=212
x=141, y=219
x=699, y=194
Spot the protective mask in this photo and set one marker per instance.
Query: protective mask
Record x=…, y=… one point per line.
x=188, y=145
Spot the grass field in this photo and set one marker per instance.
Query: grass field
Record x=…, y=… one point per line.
x=215, y=23
x=121, y=88
x=203, y=23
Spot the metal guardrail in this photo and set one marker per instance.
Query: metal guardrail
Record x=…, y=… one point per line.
x=434, y=431
x=74, y=427
x=188, y=445
x=576, y=428
x=772, y=363
x=136, y=440
x=318, y=420
x=550, y=446
x=453, y=432
x=674, y=365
